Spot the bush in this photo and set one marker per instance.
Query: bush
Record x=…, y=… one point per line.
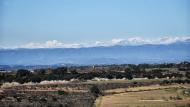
x=186, y=92
x=54, y=99
x=19, y=99
x=2, y=95
x=95, y=91
x=43, y=99
x=61, y=92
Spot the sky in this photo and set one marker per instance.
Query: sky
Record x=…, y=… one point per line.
x=33, y=22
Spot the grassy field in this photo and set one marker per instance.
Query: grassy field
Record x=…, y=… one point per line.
x=148, y=96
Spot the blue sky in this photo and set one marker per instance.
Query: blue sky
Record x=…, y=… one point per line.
x=78, y=21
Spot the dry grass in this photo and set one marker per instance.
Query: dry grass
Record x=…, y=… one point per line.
x=148, y=96
x=122, y=81
x=145, y=88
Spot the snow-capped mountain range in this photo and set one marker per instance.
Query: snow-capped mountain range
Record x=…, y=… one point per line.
x=119, y=52
x=113, y=42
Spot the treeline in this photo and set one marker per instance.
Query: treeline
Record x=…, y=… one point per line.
x=128, y=71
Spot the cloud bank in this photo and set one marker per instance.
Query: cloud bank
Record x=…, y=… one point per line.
x=50, y=44
x=115, y=41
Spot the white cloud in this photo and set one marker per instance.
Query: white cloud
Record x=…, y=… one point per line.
x=116, y=41
x=53, y=43
x=169, y=40
x=47, y=44
x=75, y=45
x=50, y=44
x=99, y=43
x=138, y=40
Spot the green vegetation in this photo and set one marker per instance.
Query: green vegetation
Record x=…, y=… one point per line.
x=128, y=71
x=127, y=85
x=61, y=92
x=95, y=91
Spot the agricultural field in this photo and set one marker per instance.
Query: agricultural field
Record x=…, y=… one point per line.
x=147, y=96
x=128, y=85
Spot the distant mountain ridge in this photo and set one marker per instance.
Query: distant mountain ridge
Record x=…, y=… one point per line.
x=118, y=54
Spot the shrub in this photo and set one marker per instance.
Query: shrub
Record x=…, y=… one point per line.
x=54, y=98
x=186, y=92
x=19, y=99
x=61, y=92
x=95, y=91
x=2, y=95
x=43, y=99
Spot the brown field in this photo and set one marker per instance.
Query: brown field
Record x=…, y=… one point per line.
x=114, y=93
x=146, y=96
x=123, y=81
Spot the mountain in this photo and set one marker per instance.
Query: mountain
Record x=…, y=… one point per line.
x=147, y=53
